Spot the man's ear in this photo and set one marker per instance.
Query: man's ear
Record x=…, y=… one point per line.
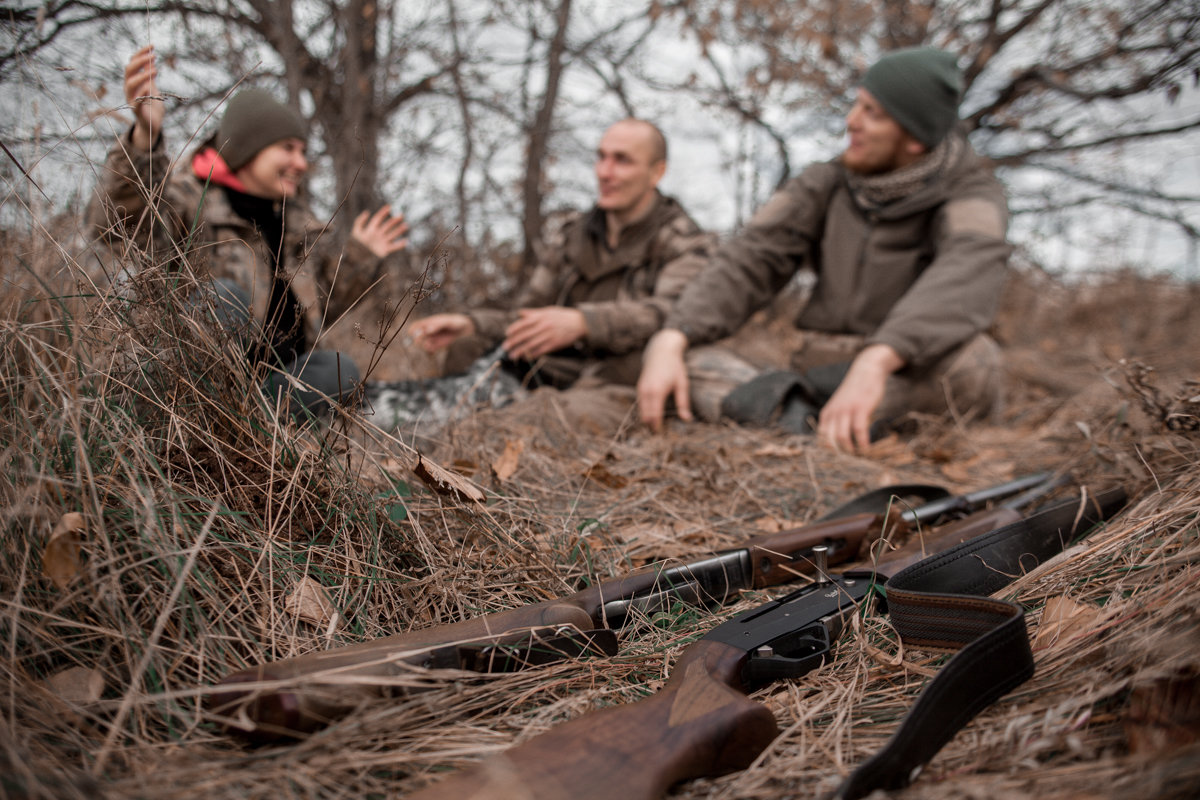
x=658, y=169
x=914, y=148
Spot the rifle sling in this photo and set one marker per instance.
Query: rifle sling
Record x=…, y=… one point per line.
x=939, y=603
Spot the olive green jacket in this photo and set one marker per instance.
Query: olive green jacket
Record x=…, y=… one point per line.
x=922, y=274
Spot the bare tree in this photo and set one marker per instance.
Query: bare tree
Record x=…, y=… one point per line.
x=351, y=60
x=1069, y=87
x=478, y=117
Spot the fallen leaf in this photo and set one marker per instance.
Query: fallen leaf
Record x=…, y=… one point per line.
x=465, y=466
x=603, y=476
x=507, y=463
x=644, y=533
x=78, y=685
x=770, y=524
x=1164, y=715
x=310, y=602
x=61, y=561
x=444, y=482
x=959, y=471
x=891, y=447
x=780, y=451
x=1063, y=619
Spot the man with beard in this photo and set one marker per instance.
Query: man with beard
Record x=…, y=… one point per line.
x=905, y=233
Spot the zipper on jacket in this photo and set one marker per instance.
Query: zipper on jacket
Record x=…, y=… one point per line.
x=871, y=218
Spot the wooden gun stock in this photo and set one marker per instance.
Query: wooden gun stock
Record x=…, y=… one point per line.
x=300, y=695
x=701, y=723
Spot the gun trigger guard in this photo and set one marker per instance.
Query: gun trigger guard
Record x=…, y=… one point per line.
x=789, y=656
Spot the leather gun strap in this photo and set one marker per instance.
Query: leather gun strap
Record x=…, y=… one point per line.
x=938, y=603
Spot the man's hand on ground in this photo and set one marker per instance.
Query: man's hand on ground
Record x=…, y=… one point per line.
x=441, y=330
x=664, y=374
x=845, y=421
x=538, y=331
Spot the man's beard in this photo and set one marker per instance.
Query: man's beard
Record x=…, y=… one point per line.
x=867, y=168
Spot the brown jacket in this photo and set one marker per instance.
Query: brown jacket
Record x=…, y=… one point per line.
x=326, y=280
x=624, y=293
x=922, y=274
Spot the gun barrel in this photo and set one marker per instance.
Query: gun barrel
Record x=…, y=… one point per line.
x=972, y=501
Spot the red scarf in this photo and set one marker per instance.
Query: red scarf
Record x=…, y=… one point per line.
x=208, y=165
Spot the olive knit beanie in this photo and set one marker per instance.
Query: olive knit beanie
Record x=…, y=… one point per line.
x=920, y=88
x=253, y=120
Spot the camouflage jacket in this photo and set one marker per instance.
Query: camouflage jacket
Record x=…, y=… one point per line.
x=623, y=292
x=922, y=274
x=325, y=278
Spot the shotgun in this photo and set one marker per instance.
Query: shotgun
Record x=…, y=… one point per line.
x=702, y=723
x=293, y=697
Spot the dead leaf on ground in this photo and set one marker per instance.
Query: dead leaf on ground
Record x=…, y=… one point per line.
x=1062, y=620
x=61, y=561
x=646, y=533
x=770, y=524
x=310, y=602
x=78, y=685
x=891, y=447
x=509, y=460
x=780, y=451
x=1165, y=715
x=605, y=477
x=446, y=483
x=961, y=471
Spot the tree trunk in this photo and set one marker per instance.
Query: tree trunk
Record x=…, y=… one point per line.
x=539, y=139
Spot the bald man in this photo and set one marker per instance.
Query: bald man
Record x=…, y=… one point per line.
x=604, y=284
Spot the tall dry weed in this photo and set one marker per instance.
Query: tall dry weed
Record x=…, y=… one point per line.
x=159, y=518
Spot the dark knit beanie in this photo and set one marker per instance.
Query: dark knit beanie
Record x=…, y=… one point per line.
x=920, y=88
x=253, y=120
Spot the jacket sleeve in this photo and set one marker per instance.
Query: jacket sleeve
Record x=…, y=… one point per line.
x=347, y=274
x=542, y=289
x=625, y=325
x=750, y=269
x=119, y=204
x=956, y=296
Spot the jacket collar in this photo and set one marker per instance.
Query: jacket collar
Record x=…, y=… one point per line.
x=933, y=191
x=208, y=165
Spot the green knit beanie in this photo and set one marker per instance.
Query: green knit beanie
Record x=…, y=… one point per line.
x=920, y=88
x=253, y=120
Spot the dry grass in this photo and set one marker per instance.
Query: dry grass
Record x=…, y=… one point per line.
x=200, y=513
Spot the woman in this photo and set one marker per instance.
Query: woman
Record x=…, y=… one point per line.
x=233, y=214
